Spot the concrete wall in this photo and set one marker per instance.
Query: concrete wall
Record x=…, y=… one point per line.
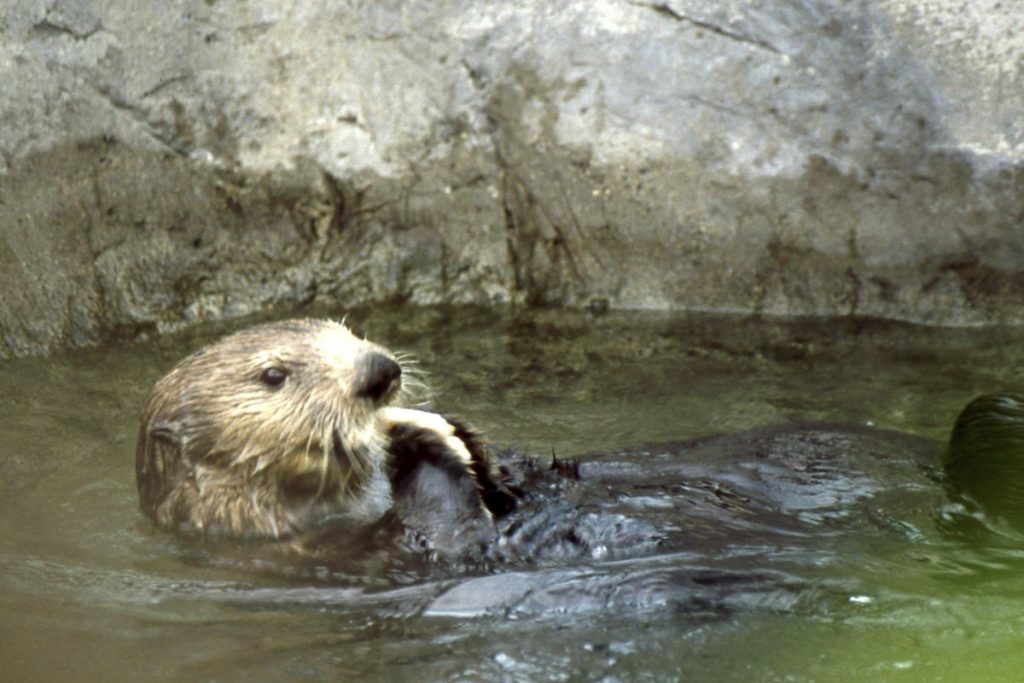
x=167, y=163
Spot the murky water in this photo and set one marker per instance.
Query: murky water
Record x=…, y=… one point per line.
x=88, y=591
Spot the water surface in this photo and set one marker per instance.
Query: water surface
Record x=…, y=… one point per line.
x=89, y=591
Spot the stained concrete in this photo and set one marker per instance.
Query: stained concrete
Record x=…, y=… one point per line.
x=166, y=164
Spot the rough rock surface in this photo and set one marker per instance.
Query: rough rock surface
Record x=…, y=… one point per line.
x=166, y=163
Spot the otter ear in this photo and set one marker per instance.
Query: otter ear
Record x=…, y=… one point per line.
x=157, y=463
x=167, y=432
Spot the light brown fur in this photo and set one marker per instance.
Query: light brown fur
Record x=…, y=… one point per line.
x=223, y=453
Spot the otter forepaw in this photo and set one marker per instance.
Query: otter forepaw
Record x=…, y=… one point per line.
x=419, y=438
x=404, y=419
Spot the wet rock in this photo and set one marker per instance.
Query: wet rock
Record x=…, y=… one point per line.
x=169, y=164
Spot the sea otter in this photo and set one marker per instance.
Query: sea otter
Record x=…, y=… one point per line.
x=291, y=430
x=295, y=431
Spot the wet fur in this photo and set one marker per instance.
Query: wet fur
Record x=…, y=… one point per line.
x=220, y=452
x=310, y=461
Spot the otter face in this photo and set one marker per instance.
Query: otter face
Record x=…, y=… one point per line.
x=268, y=431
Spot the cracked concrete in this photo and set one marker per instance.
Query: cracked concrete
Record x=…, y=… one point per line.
x=673, y=11
x=183, y=162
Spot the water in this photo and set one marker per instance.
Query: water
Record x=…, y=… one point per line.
x=88, y=591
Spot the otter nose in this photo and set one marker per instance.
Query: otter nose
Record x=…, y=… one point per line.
x=376, y=375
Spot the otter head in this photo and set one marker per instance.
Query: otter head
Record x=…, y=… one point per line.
x=269, y=431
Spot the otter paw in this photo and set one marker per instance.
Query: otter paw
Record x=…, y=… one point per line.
x=405, y=419
x=421, y=439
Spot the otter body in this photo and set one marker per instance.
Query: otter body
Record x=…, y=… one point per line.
x=294, y=431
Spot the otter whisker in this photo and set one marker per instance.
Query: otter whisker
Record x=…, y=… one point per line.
x=414, y=389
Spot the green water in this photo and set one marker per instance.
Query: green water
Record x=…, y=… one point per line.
x=88, y=591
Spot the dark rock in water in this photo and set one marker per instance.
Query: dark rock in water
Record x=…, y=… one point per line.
x=986, y=452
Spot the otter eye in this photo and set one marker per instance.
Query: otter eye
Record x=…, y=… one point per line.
x=273, y=377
